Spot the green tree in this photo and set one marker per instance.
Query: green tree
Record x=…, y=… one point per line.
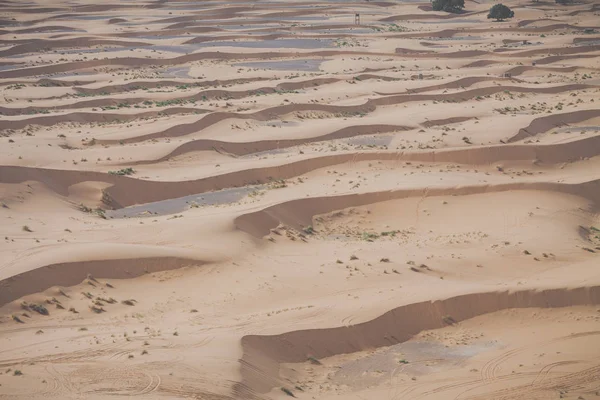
x=500, y=12
x=453, y=6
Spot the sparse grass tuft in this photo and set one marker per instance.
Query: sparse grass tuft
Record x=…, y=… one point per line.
x=309, y=230
x=17, y=372
x=97, y=310
x=40, y=309
x=124, y=171
x=314, y=361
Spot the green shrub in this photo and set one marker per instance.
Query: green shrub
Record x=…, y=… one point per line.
x=452, y=6
x=500, y=12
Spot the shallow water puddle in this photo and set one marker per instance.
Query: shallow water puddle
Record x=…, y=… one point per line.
x=172, y=206
x=413, y=358
x=370, y=141
x=285, y=65
x=275, y=44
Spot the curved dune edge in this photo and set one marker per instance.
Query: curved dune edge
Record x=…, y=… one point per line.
x=524, y=68
x=459, y=83
x=146, y=62
x=367, y=107
x=92, y=117
x=139, y=62
x=553, y=59
x=413, y=17
x=199, y=96
x=444, y=33
x=42, y=44
x=245, y=148
x=111, y=89
x=126, y=191
x=505, y=53
x=446, y=121
x=42, y=29
x=266, y=36
x=299, y=213
x=47, y=82
x=263, y=354
x=544, y=124
x=73, y=273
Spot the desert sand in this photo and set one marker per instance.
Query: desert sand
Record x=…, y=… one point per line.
x=263, y=200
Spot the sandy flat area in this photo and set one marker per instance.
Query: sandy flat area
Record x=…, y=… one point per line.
x=261, y=200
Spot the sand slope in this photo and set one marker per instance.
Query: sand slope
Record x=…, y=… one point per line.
x=233, y=200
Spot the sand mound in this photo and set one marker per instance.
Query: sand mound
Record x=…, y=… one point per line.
x=125, y=191
x=241, y=149
x=264, y=354
x=73, y=273
x=369, y=106
x=440, y=167
x=58, y=44
x=90, y=117
x=544, y=124
x=299, y=214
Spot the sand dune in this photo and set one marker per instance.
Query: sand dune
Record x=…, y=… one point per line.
x=544, y=124
x=402, y=206
x=369, y=106
x=241, y=149
x=92, y=117
x=199, y=96
x=111, y=89
x=35, y=46
x=73, y=273
x=140, y=62
x=125, y=191
x=264, y=354
x=298, y=214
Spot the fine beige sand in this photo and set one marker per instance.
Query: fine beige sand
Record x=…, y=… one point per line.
x=261, y=200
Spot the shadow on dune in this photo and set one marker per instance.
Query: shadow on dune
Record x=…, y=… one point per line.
x=341, y=111
x=73, y=273
x=299, y=213
x=263, y=354
x=126, y=191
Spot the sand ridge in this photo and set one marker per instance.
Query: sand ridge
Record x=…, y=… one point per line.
x=265, y=200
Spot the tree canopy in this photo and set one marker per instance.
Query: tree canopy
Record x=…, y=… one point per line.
x=500, y=12
x=453, y=6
